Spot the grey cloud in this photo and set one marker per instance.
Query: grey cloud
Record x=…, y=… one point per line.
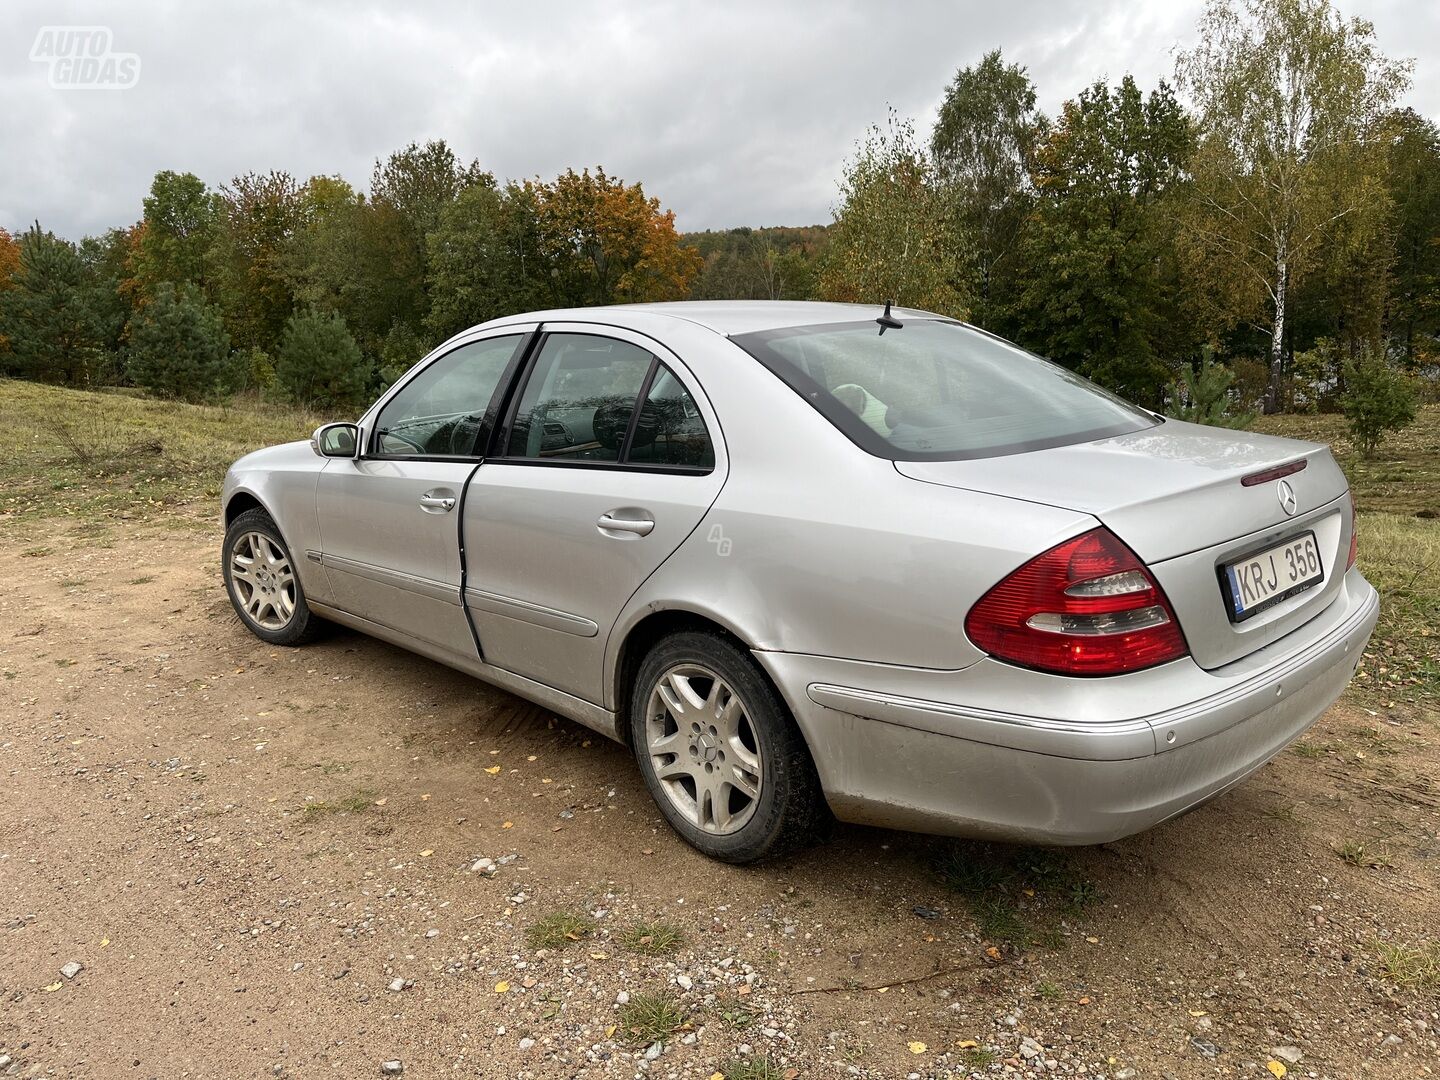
x=730, y=113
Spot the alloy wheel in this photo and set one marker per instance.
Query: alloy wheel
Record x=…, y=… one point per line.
x=704, y=748
x=262, y=580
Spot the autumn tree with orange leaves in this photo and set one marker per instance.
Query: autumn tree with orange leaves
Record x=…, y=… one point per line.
x=606, y=242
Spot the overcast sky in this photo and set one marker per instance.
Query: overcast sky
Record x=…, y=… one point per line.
x=731, y=113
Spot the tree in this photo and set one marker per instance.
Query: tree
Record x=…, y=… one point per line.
x=893, y=237
x=756, y=264
x=178, y=346
x=318, y=364
x=1377, y=399
x=1288, y=97
x=179, y=230
x=409, y=192
x=1202, y=395
x=1096, y=297
x=9, y=266
x=52, y=314
x=1414, y=188
x=984, y=138
x=260, y=214
x=606, y=242
x=485, y=260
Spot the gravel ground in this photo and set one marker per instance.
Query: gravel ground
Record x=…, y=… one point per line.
x=221, y=859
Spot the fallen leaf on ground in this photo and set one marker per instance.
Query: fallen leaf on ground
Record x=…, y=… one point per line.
x=381, y=802
x=104, y=942
x=1083, y=1001
x=1197, y=1012
x=502, y=987
x=508, y=825
x=993, y=953
x=427, y=853
x=53, y=987
x=967, y=1044
x=493, y=769
x=611, y=1031
x=1276, y=1069
x=918, y=1048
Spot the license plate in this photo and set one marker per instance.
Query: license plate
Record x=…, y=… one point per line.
x=1267, y=577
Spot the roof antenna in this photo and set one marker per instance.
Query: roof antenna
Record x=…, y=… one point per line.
x=888, y=321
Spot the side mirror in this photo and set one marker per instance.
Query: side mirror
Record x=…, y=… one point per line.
x=336, y=440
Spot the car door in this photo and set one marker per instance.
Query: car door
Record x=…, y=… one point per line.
x=583, y=496
x=389, y=518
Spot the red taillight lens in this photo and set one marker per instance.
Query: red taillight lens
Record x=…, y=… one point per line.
x=1354, y=534
x=1086, y=607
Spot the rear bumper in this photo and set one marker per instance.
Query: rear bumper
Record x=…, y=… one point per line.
x=1088, y=760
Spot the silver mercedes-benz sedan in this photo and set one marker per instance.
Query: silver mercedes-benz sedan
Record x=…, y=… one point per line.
x=813, y=560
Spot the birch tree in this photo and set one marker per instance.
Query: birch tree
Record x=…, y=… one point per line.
x=1288, y=96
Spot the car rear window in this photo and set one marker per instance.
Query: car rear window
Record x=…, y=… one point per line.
x=936, y=390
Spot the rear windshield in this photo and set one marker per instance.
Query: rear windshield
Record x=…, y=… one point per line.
x=938, y=390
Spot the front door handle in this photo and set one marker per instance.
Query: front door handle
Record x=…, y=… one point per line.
x=638, y=526
x=443, y=503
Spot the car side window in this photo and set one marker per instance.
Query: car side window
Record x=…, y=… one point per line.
x=441, y=411
x=670, y=430
x=579, y=398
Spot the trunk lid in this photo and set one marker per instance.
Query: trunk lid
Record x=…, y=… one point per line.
x=1173, y=493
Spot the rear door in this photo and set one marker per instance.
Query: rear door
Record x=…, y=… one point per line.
x=389, y=520
x=583, y=497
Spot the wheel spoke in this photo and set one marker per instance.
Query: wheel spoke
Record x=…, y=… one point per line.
x=687, y=697
x=743, y=781
x=675, y=770
x=674, y=743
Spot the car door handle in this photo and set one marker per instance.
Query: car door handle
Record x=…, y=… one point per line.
x=638, y=526
x=443, y=503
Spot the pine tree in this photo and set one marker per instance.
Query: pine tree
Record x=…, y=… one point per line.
x=52, y=314
x=179, y=347
x=318, y=363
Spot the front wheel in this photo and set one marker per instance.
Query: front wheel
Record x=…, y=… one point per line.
x=261, y=581
x=720, y=753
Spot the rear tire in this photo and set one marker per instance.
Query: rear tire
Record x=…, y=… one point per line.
x=262, y=584
x=720, y=753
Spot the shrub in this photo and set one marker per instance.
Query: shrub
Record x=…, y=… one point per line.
x=179, y=347
x=1202, y=395
x=319, y=365
x=1377, y=399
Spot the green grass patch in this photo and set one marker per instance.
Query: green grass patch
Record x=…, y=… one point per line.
x=558, y=929
x=751, y=1068
x=357, y=802
x=92, y=455
x=1413, y=967
x=652, y=938
x=649, y=1018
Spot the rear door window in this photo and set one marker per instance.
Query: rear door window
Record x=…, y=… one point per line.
x=579, y=404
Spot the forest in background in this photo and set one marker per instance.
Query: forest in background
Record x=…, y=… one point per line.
x=1262, y=231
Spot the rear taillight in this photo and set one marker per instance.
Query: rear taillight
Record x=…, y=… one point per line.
x=1354, y=535
x=1086, y=607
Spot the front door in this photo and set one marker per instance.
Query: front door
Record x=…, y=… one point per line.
x=584, y=498
x=390, y=519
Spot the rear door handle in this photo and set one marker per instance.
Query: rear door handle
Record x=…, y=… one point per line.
x=638, y=526
x=443, y=503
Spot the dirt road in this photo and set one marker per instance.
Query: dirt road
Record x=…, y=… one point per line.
x=263, y=860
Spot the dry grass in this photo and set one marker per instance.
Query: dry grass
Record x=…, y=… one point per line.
x=106, y=455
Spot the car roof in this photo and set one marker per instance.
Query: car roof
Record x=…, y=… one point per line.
x=728, y=317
